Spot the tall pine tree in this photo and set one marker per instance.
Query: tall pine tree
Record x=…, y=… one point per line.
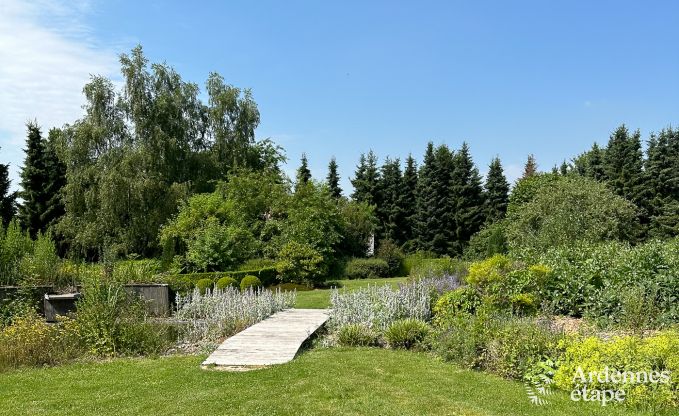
x=497, y=192
x=468, y=201
x=7, y=198
x=435, y=217
x=333, y=179
x=56, y=180
x=34, y=179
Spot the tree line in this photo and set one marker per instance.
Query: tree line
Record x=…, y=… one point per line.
x=111, y=179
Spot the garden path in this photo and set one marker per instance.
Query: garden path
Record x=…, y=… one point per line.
x=274, y=340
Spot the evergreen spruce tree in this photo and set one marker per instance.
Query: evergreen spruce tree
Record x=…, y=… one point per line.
x=390, y=210
x=468, y=201
x=34, y=178
x=425, y=219
x=441, y=224
x=303, y=173
x=623, y=167
x=564, y=169
x=333, y=179
x=409, y=201
x=497, y=192
x=7, y=198
x=530, y=168
x=595, y=168
x=366, y=180
x=661, y=183
x=56, y=180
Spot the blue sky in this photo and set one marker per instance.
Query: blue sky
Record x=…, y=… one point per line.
x=340, y=78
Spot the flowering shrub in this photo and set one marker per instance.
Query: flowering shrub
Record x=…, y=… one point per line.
x=632, y=354
x=29, y=340
x=222, y=312
x=378, y=306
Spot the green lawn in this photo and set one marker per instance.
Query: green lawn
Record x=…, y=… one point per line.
x=319, y=382
x=320, y=298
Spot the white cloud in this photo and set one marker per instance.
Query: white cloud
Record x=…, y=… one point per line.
x=47, y=54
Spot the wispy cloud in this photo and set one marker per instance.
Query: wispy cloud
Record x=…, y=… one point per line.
x=47, y=54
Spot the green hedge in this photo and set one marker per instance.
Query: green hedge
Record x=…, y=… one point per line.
x=266, y=275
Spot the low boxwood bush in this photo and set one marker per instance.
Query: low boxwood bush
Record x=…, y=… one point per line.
x=356, y=335
x=266, y=275
x=631, y=354
x=225, y=282
x=367, y=268
x=249, y=282
x=461, y=301
x=204, y=284
x=406, y=333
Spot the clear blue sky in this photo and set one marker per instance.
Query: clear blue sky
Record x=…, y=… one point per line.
x=340, y=78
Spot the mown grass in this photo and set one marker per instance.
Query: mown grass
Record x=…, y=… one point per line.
x=320, y=298
x=319, y=382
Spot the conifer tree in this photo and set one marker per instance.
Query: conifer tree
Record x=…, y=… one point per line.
x=623, y=161
x=7, y=198
x=661, y=183
x=390, y=210
x=425, y=220
x=366, y=180
x=468, y=201
x=55, y=181
x=438, y=218
x=34, y=178
x=333, y=179
x=595, y=168
x=303, y=172
x=530, y=168
x=497, y=192
x=409, y=200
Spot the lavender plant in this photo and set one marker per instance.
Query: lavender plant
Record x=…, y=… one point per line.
x=222, y=312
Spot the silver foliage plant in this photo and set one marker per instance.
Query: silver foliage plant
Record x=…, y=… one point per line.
x=378, y=306
x=222, y=312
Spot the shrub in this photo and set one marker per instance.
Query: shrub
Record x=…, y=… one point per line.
x=15, y=245
x=659, y=352
x=566, y=210
x=356, y=335
x=300, y=263
x=250, y=282
x=509, y=347
x=392, y=254
x=406, y=333
x=445, y=266
x=461, y=301
x=256, y=264
x=204, y=284
x=112, y=322
x=221, y=313
x=41, y=267
x=218, y=246
x=489, y=241
x=136, y=271
x=180, y=284
x=30, y=341
x=367, y=268
x=594, y=280
x=226, y=281
x=414, y=259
